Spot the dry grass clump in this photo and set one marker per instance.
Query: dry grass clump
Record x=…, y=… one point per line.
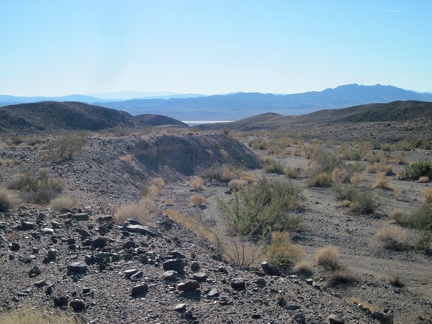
x=396, y=215
x=9, y=162
x=7, y=200
x=223, y=153
x=197, y=183
x=144, y=211
x=126, y=158
x=393, y=237
x=340, y=175
x=345, y=192
x=303, y=268
x=62, y=202
x=322, y=179
x=427, y=195
x=240, y=253
x=356, y=179
x=29, y=315
x=273, y=166
x=237, y=184
x=247, y=176
x=224, y=173
x=292, y=172
x=382, y=182
x=328, y=258
x=197, y=200
x=341, y=276
x=282, y=252
x=424, y=179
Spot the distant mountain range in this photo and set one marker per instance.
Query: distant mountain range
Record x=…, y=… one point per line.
x=242, y=105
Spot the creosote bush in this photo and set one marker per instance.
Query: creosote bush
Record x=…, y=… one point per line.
x=40, y=189
x=266, y=205
x=66, y=146
x=416, y=170
x=427, y=195
x=364, y=202
x=322, y=179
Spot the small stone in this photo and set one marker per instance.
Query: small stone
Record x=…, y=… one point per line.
x=270, y=269
x=77, y=267
x=34, y=272
x=180, y=308
x=213, y=293
x=189, y=285
x=77, y=305
x=238, y=283
x=84, y=234
x=335, y=319
x=52, y=254
x=14, y=247
x=174, y=264
x=99, y=243
x=261, y=282
x=137, y=275
x=129, y=245
x=309, y=281
x=256, y=316
x=300, y=318
x=47, y=230
x=80, y=217
x=130, y=272
x=384, y=317
x=139, y=290
x=25, y=225
x=170, y=274
x=195, y=266
x=200, y=276
x=61, y=301
x=292, y=307
x=105, y=219
x=143, y=229
x=40, y=283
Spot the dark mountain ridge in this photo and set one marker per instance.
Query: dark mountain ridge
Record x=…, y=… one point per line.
x=49, y=116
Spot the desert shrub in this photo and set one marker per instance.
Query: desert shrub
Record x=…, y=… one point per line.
x=364, y=202
x=62, y=202
x=328, y=258
x=282, y=252
x=326, y=162
x=393, y=237
x=340, y=176
x=382, y=182
x=197, y=183
x=350, y=154
x=30, y=315
x=341, y=276
x=141, y=212
x=421, y=218
x=321, y=179
x=356, y=179
x=292, y=172
x=224, y=173
x=237, y=184
x=259, y=144
x=239, y=252
x=7, y=201
x=400, y=158
x=302, y=268
x=65, y=147
x=416, y=170
x=127, y=158
x=197, y=200
x=223, y=153
x=345, y=192
x=396, y=215
x=39, y=190
x=249, y=177
x=427, y=195
x=273, y=166
x=396, y=281
x=263, y=206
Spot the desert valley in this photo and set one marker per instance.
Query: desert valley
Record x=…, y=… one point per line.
x=323, y=217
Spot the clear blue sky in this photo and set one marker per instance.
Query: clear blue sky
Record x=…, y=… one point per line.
x=61, y=47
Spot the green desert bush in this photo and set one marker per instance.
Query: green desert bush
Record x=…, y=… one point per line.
x=322, y=179
x=66, y=146
x=40, y=189
x=292, y=172
x=273, y=166
x=262, y=207
x=416, y=170
x=364, y=202
x=345, y=192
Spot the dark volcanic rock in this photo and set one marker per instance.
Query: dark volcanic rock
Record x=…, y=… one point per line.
x=174, y=264
x=270, y=269
x=139, y=290
x=77, y=267
x=189, y=285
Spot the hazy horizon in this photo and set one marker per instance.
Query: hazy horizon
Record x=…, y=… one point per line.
x=59, y=48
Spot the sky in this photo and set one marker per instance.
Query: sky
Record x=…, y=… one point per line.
x=56, y=48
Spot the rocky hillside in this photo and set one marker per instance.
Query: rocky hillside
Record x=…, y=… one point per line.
x=399, y=120
x=57, y=117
